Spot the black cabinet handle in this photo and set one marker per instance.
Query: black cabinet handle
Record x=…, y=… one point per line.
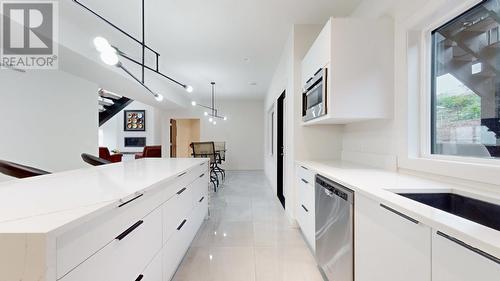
x=305, y=209
x=182, y=174
x=181, y=191
x=139, y=278
x=203, y=164
x=181, y=225
x=304, y=168
x=202, y=175
x=399, y=214
x=469, y=247
x=305, y=181
x=129, y=230
x=125, y=203
x=201, y=200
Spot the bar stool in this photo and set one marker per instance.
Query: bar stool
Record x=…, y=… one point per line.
x=19, y=171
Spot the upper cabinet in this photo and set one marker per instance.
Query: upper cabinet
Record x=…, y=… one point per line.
x=348, y=73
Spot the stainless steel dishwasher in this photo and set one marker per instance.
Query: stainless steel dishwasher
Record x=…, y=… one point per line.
x=334, y=230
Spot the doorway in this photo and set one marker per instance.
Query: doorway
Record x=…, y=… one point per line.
x=182, y=133
x=280, y=148
x=173, y=138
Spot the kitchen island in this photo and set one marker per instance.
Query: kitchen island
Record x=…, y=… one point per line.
x=123, y=221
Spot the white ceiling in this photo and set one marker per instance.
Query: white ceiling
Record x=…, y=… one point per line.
x=205, y=40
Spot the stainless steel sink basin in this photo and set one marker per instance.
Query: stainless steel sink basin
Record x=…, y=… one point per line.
x=485, y=213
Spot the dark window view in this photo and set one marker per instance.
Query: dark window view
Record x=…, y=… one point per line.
x=466, y=86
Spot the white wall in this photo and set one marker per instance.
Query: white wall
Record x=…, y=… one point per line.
x=301, y=143
x=112, y=134
x=49, y=119
x=243, y=132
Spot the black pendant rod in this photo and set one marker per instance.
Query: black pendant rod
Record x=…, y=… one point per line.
x=116, y=27
x=213, y=98
x=125, y=56
x=143, y=43
x=136, y=79
x=142, y=64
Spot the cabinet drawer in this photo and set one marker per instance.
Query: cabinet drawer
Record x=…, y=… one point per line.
x=305, y=175
x=306, y=195
x=175, y=249
x=200, y=188
x=176, y=209
x=305, y=219
x=200, y=213
x=78, y=244
x=153, y=271
x=125, y=257
x=186, y=178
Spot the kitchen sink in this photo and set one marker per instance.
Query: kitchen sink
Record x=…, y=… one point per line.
x=485, y=213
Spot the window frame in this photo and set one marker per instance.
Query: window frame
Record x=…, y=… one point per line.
x=428, y=150
x=414, y=80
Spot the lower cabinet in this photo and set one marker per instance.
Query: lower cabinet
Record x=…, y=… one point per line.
x=178, y=243
x=389, y=245
x=125, y=257
x=305, y=214
x=454, y=260
x=305, y=207
x=175, y=248
x=154, y=271
x=149, y=247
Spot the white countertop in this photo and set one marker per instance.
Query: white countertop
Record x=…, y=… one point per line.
x=376, y=183
x=46, y=203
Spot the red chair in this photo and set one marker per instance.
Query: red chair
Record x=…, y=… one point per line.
x=150, y=152
x=113, y=158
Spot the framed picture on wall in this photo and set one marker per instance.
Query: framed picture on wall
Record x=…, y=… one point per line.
x=134, y=120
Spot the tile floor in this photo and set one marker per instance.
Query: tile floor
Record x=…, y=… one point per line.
x=247, y=238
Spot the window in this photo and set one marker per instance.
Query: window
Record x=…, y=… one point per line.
x=466, y=84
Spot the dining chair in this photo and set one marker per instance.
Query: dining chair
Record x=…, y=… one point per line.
x=19, y=171
x=220, y=150
x=207, y=150
x=105, y=154
x=153, y=151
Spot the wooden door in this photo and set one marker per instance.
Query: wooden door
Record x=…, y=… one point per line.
x=173, y=138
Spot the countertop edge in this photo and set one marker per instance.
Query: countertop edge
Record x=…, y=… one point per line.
x=474, y=234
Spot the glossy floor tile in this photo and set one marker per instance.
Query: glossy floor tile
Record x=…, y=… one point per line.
x=247, y=238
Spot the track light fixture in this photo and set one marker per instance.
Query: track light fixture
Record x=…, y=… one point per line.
x=110, y=54
x=213, y=110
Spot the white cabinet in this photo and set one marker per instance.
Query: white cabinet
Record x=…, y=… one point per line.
x=305, y=207
x=145, y=239
x=126, y=256
x=454, y=260
x=176, y=247
x=358, y=54
x=389, y=246
x=154, y=271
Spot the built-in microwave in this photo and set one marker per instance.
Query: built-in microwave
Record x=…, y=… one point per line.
x=314, y=96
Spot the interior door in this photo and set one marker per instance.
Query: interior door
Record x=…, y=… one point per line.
x=173, y=138
x=280, y=148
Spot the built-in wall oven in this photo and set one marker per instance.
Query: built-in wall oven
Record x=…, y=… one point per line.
x=314, y=96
